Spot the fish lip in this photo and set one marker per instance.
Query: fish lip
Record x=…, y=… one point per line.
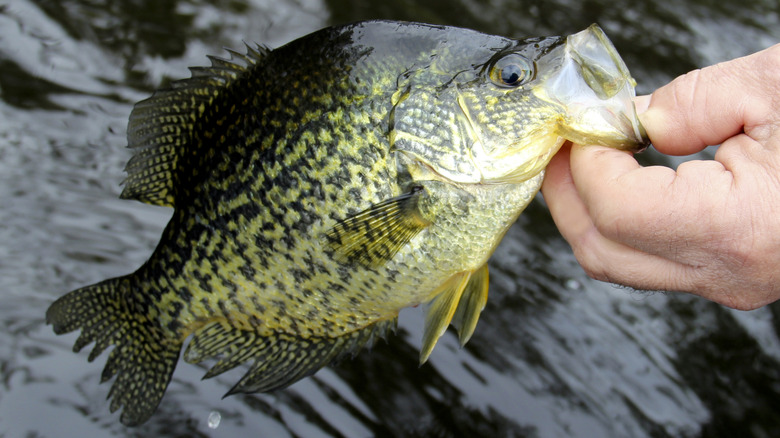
x=594, y=86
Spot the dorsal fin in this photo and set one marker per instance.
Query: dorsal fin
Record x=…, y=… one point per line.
x=161, y=127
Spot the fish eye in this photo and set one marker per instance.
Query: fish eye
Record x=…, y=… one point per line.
x=511, y=70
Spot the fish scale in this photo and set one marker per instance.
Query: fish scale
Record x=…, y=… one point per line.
x=320, y=188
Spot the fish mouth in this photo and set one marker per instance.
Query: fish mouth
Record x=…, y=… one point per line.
x=597, y=90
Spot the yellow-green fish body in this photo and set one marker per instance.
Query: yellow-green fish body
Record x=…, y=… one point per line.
x=322, y=187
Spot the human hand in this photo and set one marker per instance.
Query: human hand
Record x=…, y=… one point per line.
x=711, y=227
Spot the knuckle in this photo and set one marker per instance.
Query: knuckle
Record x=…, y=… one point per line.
x=764, y=70
x=594, y=271
x=771, y=57
x=609, y=220
x=742, y=246
x=772, y=69
x=687, y=89
x=586, y=251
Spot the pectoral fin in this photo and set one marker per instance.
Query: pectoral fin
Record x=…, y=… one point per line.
x=374, y=236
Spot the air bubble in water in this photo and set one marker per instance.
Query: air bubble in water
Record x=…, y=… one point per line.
x=573, y=284
x=214, y=419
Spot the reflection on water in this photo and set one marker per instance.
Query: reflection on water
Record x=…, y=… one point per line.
x=555, y=354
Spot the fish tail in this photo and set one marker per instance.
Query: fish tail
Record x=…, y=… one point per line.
x=143, y=358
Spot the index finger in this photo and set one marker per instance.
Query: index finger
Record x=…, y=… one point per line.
x=645, y=208
x=603, y=258
x=675, y=214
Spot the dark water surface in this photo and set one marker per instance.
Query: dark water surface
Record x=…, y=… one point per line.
x=554, y=355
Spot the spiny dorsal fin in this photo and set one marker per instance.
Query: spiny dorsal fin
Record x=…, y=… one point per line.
x=471, y=304
x=440, y=311
x=280, y=359
x=160, y=127
x=374, y=236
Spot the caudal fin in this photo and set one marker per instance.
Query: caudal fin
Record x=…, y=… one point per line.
x=142, y=360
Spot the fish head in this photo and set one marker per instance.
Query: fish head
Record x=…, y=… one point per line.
x=500, y=113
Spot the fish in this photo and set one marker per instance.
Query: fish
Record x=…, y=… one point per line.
x=321, y=187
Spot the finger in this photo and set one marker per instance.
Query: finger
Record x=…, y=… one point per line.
x=610, y=261
x=568, y=212
x=679, y=216
x=600, y=257
x=620, y=195
x=706, y=107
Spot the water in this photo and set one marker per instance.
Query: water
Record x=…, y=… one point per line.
x=555, y=354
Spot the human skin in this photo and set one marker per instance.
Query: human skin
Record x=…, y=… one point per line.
x=710, y=227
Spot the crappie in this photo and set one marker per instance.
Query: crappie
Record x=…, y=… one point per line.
x=321, y=187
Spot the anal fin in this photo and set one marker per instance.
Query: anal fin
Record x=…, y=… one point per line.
x=220, y=339
x=280, y=359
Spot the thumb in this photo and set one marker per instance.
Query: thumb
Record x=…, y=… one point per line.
x=707, y=106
